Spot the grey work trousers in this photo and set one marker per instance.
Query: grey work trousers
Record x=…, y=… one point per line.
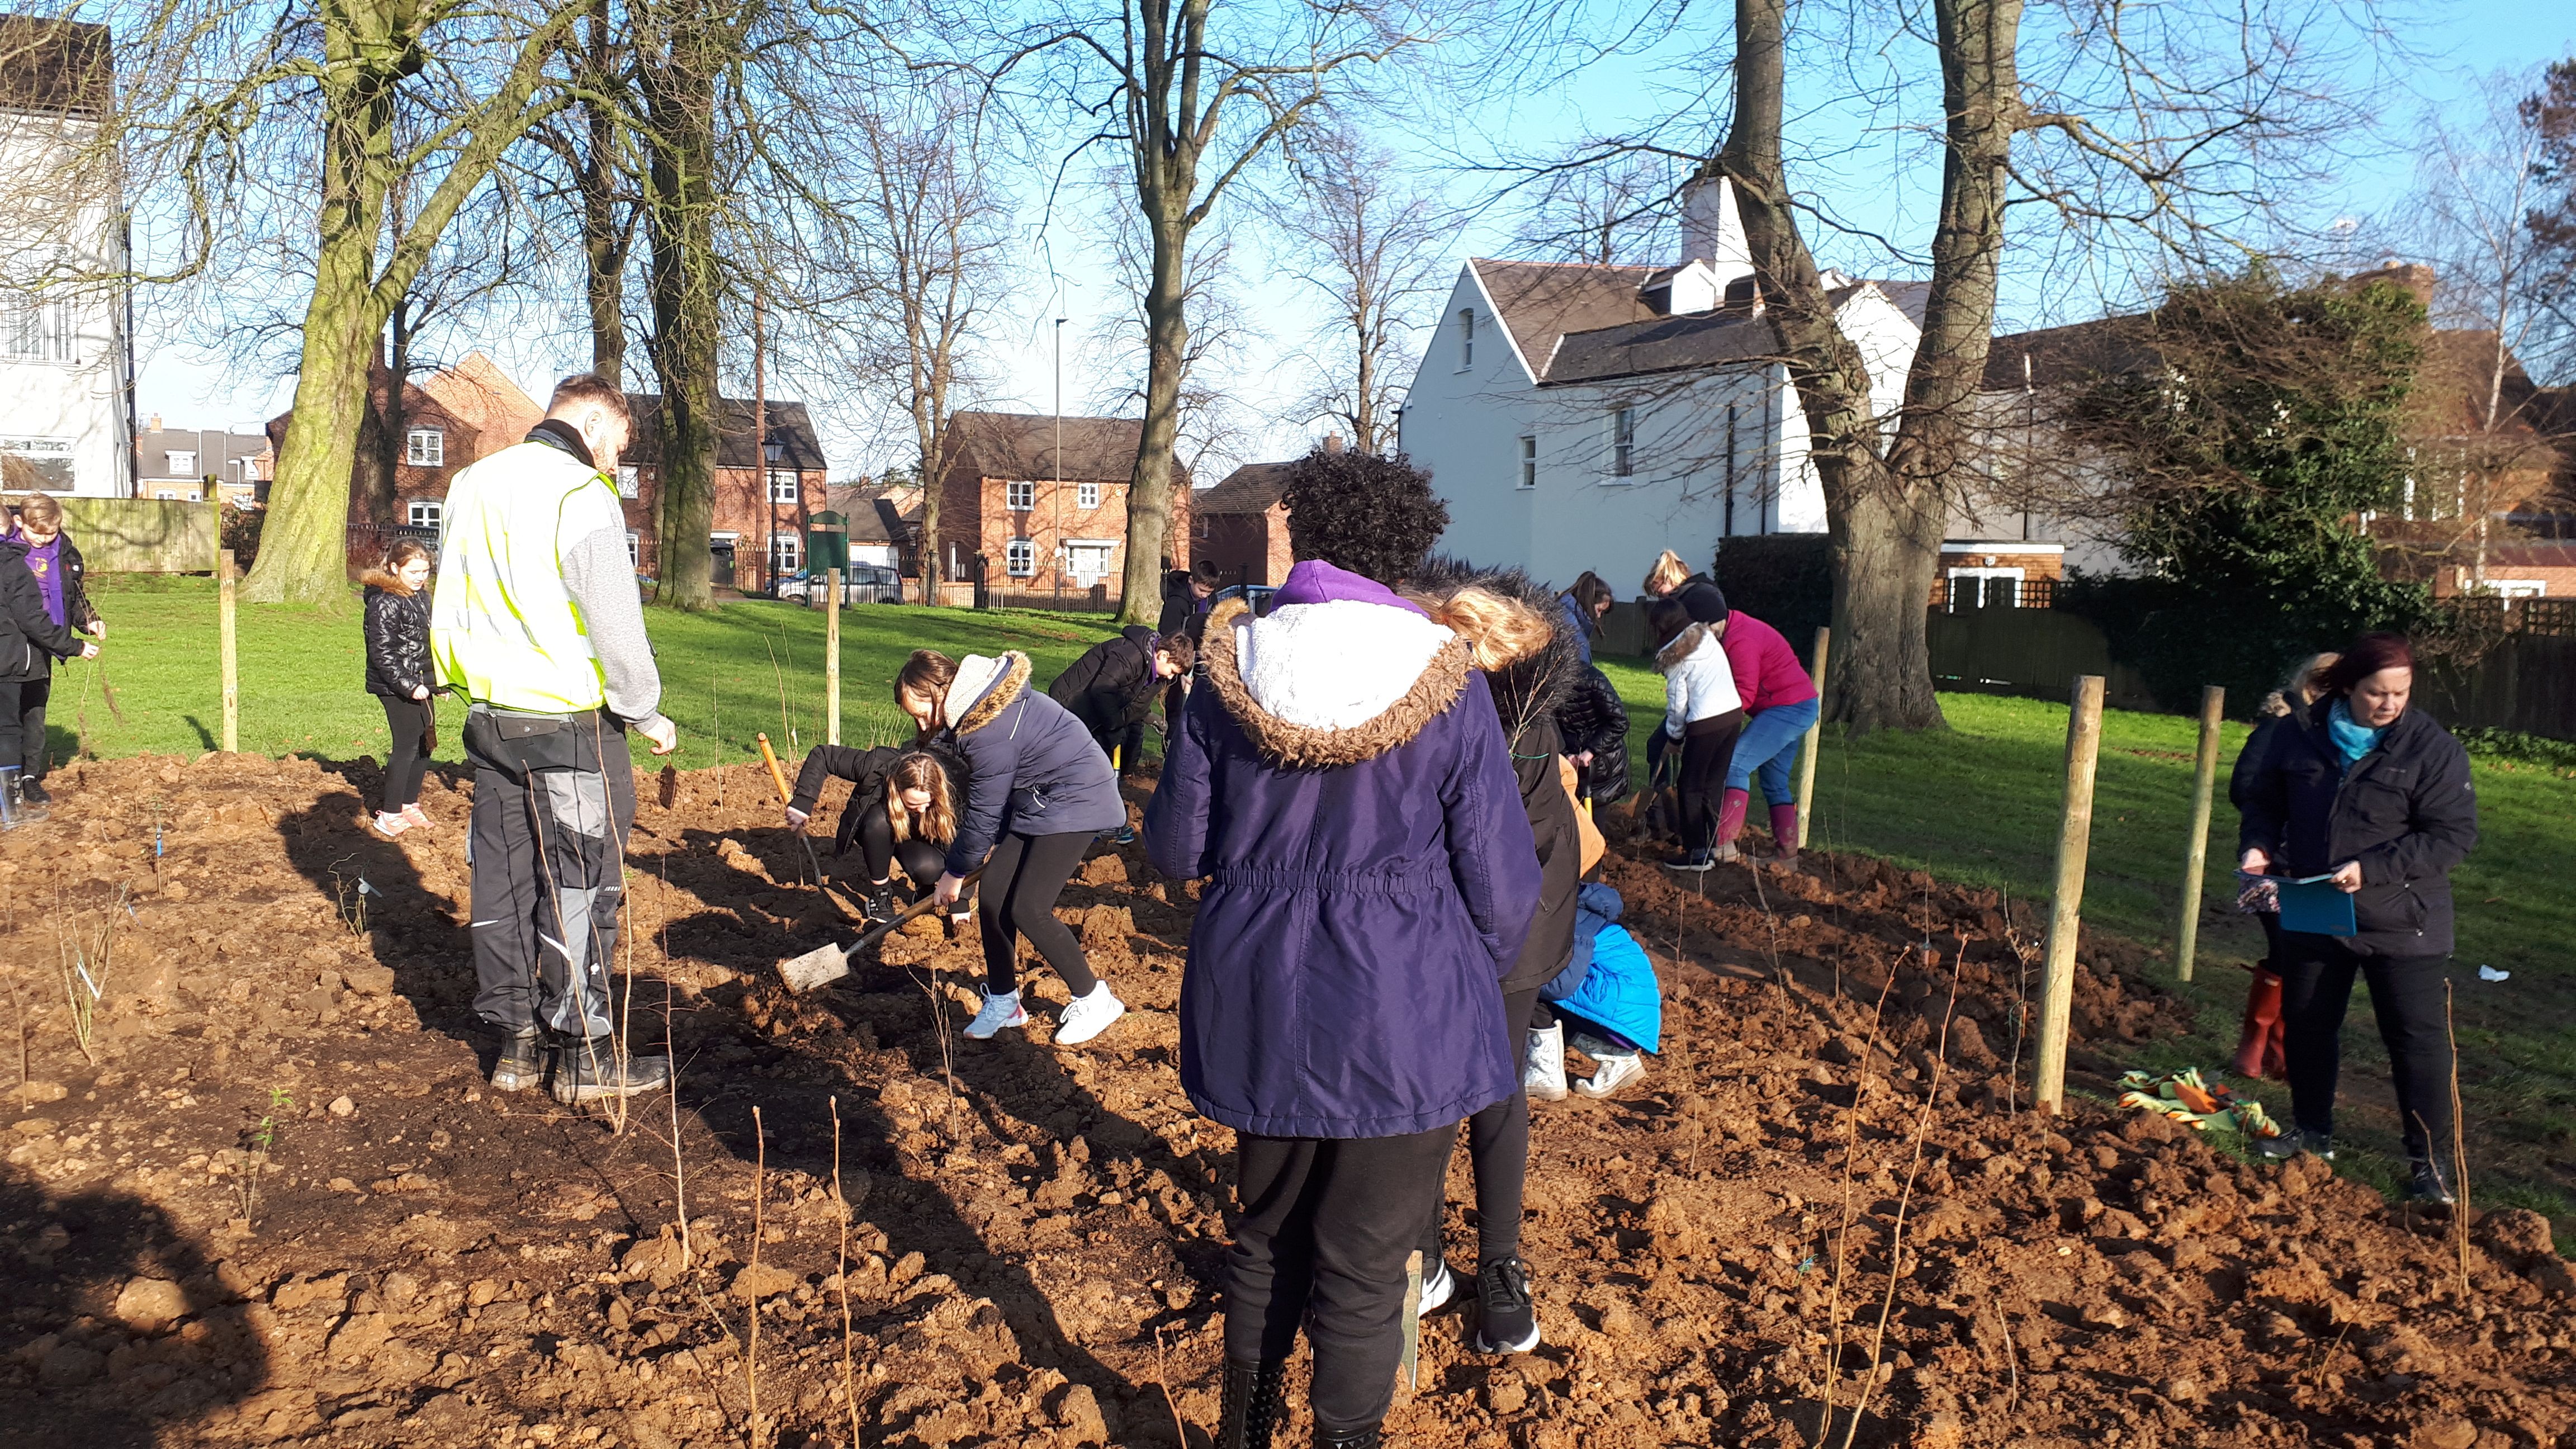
x=549, y=860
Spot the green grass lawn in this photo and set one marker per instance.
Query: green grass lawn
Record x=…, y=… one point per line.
x=1979, y=803
x=302, y=674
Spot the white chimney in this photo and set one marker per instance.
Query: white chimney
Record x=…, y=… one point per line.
x=1712, y=232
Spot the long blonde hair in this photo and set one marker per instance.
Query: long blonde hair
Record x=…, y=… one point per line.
x=921, y=770
x=1499, y=631
x=1669, y=573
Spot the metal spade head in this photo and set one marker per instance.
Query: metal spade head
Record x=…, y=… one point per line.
x=821, y=966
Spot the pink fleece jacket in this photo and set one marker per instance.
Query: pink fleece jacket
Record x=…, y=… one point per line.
x=1767, y=671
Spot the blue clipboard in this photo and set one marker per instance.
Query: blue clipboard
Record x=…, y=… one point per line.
x=2314, y=905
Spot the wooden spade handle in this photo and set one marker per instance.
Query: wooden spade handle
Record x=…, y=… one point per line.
x=777, y=772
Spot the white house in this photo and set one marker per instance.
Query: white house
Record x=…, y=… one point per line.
x=1580, y=417
x=66, y=373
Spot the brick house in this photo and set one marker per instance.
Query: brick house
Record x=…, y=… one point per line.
x=451, y=419
x=762, y=505
x=1241, y=526
x=1041, y=520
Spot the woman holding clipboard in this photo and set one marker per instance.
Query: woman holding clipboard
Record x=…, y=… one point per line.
x=2359, y=810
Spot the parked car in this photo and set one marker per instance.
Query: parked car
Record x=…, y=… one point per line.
x=1256, y=595
x=862, y=584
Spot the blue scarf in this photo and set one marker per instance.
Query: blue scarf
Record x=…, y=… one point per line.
x=2352, y=740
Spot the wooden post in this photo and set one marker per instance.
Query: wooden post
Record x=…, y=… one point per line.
x=2066, y=907
x=1807, y=751
x=2195, y=856
x=832, y=659
x=224, y=608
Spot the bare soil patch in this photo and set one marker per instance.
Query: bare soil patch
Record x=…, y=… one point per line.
x=274, y=1202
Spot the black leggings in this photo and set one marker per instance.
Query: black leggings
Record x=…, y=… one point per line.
x=1708, y=747
x=1017, y=898
x=1498, y=1150
x=1326, y=1224
x=881, y=852
x=410, y=721
x=2406, y=996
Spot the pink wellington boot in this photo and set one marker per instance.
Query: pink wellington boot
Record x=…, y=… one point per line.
x=1730, y=822
x=1784, y=835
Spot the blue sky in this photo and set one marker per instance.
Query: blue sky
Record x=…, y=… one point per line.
x=1872, y=180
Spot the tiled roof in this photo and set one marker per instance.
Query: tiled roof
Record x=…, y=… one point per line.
x=57, y=67
x=735, y=447
x=1249, y=489
x=1022, y=446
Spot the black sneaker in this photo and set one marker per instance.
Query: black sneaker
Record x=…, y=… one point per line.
x=34, y=792
x=879, y=902
x=587, y=1071
x=1506, y=1319
x=2427, y=1188
x=1694, y=861
x=521, y=1064
x=2295, y=1141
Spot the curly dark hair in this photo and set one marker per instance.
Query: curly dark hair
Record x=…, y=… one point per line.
x=1366, y=512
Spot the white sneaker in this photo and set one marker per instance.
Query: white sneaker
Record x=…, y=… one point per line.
x=999, y=1012
x=390, y=826
x=1612, y=1072
x=1438, y=1288
x=1088, y=1016
x=1543, y=1064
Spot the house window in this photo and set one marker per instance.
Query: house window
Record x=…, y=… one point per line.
x=783, y=553
x=1020, y=496
x=786, y=485
x=1089, y=561
x=181, y=465
x=424, y=513
x=1020, y=557
x=1529, y=461
x=38, y=329
x=166, y=495
x=630, y=482
x=1086, y=495
x=1984, y=588
x=1623, y=442
x=1466, y=338
x=427, y=448
x=634, y=548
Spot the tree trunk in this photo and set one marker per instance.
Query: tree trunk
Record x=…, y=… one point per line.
x=603, y=245
x=304, y=544
x=1149, y=488
x=680, y=212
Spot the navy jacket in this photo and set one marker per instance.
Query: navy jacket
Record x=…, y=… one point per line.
x=1369, y=880
x=1113, y=685
x=2407, y=811
x=1031, y=769
x=30, y=640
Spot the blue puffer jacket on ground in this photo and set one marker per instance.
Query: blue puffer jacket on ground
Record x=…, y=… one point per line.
x=1609, y=982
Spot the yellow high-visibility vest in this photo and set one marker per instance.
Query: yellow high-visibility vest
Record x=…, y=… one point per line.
x=502, y=626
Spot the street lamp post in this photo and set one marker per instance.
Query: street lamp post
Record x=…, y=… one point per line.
x=1060, y=552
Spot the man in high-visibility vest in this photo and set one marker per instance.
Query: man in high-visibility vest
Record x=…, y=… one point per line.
x=538, y=623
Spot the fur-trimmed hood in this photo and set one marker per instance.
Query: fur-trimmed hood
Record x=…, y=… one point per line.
x=387, y=580
x=1327, y=684
x=1687, y=643
x=1540, y=654
x=988, y=685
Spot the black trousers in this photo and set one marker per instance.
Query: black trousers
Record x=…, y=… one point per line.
x=30, y=699
x=1017, y=898
x=2405, y=994
x=1708, y=747
x=548, y=857
x=22, y=724
x=1498, y=1150
x=922, y=861
x=410, y=721
x=1326, y=1224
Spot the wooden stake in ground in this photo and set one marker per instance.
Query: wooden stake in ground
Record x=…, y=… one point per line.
x=2195, y=856
x=1807, y=751
x=832, y=659
x=225, y=587
x=2066, y=905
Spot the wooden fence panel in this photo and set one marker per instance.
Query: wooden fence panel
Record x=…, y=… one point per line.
x=142, y=535
x=2030, y=652
x=2527, y=682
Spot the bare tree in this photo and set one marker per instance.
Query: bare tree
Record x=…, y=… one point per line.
x=1197, y=93
x=1605, y=202
x=933, y=245
x=1210, y=422
x=1372, y=241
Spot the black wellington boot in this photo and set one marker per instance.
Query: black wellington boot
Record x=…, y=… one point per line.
x=522, y=1062
x=593, y=1069
x=1368, y=1438
x=1251, y=1403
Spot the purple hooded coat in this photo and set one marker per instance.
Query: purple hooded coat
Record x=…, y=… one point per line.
x=1344, y=788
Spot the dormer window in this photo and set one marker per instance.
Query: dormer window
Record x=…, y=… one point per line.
x=1466, y=338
